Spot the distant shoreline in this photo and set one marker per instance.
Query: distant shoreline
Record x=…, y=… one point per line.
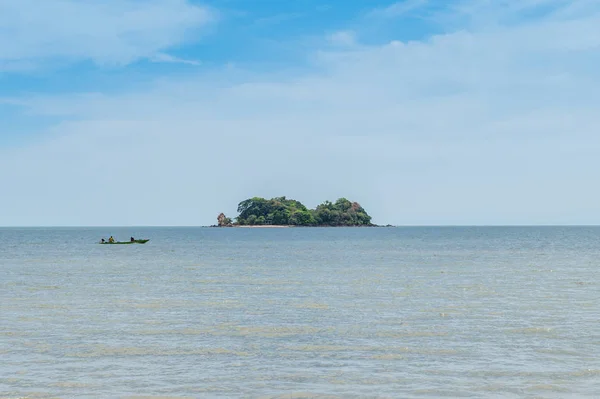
x=285, y=226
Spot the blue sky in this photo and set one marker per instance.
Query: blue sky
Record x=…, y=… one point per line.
x=427, y=112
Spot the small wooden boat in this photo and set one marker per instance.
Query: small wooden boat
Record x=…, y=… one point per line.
x=126, y=242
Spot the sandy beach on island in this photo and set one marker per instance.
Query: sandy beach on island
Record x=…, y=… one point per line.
x=264, y=226
x=281, y=226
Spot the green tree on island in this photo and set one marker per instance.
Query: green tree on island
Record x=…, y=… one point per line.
x=258, y=211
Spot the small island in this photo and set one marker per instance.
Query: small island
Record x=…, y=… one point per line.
x=281, y=211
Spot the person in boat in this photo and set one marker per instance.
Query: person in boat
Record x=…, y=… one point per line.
x=111, y=239
x=103, y=241
x=132, y=239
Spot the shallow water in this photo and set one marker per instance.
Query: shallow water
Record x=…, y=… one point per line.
x=300, y=313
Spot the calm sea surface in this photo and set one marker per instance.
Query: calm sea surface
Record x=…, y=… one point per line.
x=300, y=313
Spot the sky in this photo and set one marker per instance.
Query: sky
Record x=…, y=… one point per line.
x=426, y=112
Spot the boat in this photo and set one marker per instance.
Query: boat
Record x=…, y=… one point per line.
x=126, y=242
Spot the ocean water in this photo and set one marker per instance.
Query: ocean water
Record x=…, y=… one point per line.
x=300, y=313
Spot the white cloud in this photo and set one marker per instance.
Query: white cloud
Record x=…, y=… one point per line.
x=483, y=126
x=105, y=31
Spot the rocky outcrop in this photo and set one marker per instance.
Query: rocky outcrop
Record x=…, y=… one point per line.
x=223, y=221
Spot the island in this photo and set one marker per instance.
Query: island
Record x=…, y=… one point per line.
x=281, y=211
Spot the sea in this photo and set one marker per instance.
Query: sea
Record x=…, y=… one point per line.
x=396, y=312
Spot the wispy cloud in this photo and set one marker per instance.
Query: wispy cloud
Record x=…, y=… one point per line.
x=104, y=31
x=163, y=57
x=278, y=19
x=17, y=66
x=344, y=38
x=488, y=15
x=399, y=8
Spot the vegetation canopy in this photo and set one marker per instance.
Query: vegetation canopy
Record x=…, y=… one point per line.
x=258, y=211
